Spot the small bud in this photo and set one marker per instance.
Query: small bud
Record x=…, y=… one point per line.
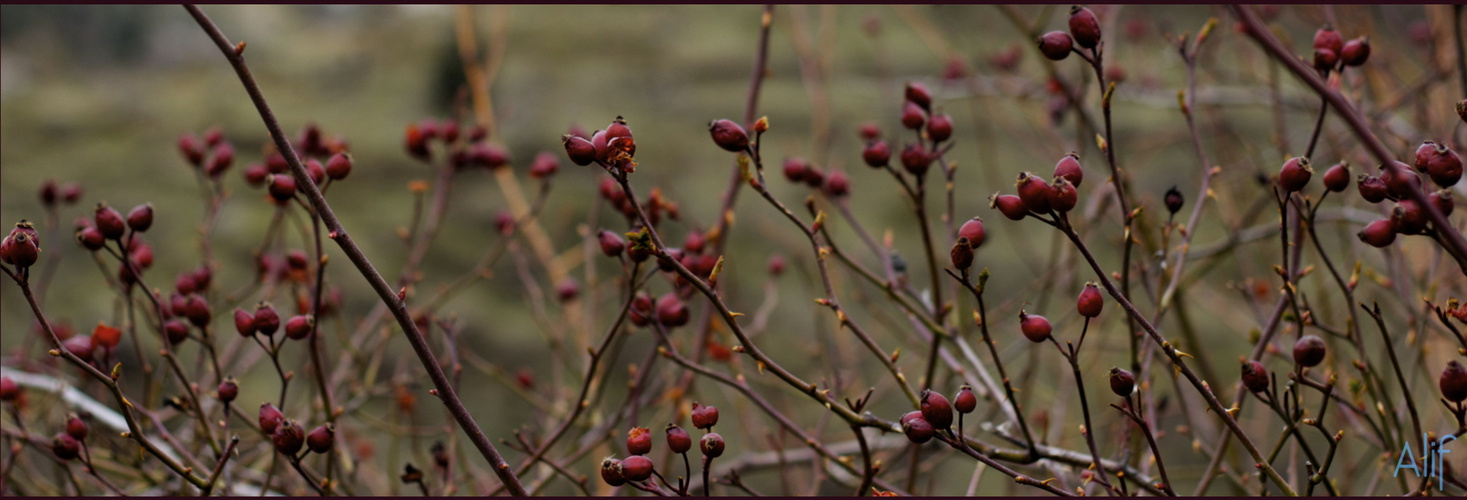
x=1056, y=45
x=678, y=439
x=1035, y=327
x=711, y=445
x=1084, y=27
x=636, y=468
x=761, y=125
x=1309, y=351
x=704, y=417
x=321, y=439
x=728, y=135
x=1122, y=383
x=1090, y=302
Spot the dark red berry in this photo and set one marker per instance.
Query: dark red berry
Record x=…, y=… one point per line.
x=270, y=418
x=795, y=169
x=20, y=249
x=579, y=150
x=109, y=222
x=1443, y=201
x=1401, y=181
x=1062, y=195
x=965, y=402
x=912, y=116
x=704, y=417
x=65, y=447
x=76, y=428
x=962, y=254
x=1373, y=189
x=611, y=471
x=175, y=331
x=244, y=323
x=1056, y=45
x=917, y=93
x=197, y=310
x=288, y=437
x=915, y=159
x=228, y=390
x=1379, y=234
x=636, y=468
x=1309, y=351
x=1337, y=178
x=918, y=430
x=869, y=131
x=266, y=320
x=9, y=390
x=836, y=185
x=299, y=327
x=1035, y=327
x=1010, y=205
x=339, y=166
x=678, y=439
x=671, y=311
x=1084, y=27
x=1295, y=174
x=711, y=445
x=1355, y=52
x=729, y=135
x=282, y=187
x=140, y=218
x=1069, y=168
x=1090, y=302
x=1122, y=383
x=567, y=290
x=1443, y=165
x=80, y=345
x=641, y=310
x=877, y=154
x=936, y=409
x=90, y=238
x=1453, y=382
x=1255, y=377
x=1325, y=59
x=1328, y=38
x=939, y=127
x=322, y=438
x=611, y=244
x=1408, y=217
x=1034, y=192
x=973, y=231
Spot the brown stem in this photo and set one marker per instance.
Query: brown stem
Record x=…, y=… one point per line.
x=338, y=233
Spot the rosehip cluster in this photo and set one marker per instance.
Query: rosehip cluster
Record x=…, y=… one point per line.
x=289, y=437
x=50, y=193
x=935, y=413
x=1038, y=197
x=1438, y=162
x=21, y=248
x=637, y=467
x=1333, y=53
x=612, y=148
x=213, y=153
x=1084, y=32
x=970, y=237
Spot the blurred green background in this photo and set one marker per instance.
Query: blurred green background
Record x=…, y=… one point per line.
x=99, y=94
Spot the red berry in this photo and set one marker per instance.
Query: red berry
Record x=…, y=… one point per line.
x=1056, y=45
x=1325, y=59
x=962, y=254
x=1255, y=376
x=641, y=310
x=1453, y=382
x=109, y=222
x=1090, y=302
x=1010, y=205
x=228, y=390
x=1408, y=218
x=1034, y=192
x=711, y=445
x=936, y=409
x=973, y=231
x=140, y=218
x=795, y=169
x=76, y=428
x=175, y=331
x=915, y=159
x=1122, y=383
x=90, y=238
x=1328, y=38
x=776, y=265
x=814, y=177
x=270, y=418
x=105, y=336
x=80, y=345
x=1062, y=195
x=1379, y=234
x=639, y=441
x=65, y=447
x=244, y=323
x=729, y=135
x=671, y=311
x=877, y=154
x=1442, y=199
x=544, y=166
x=192, y=149
x=1309, y=351
x=1401, y=181
x=912, y=116
x=918, y=430
x=1084, y=27
x=1295, y=174
x=288, y=437
x=299, y=327
x=1035, y=327
x=1373, y=189
x=837, y=184
x=339, y=166
x=618, y=128
x=282, y=187
x=197, y=310
x=9, y=391
x=70, y=193
x=222, y=159
x=567, y=290
x=579, y=150
x=678, y=439
x=1355, y=52
x=611, y=244
x=266, y=320
x=1443, y=165
x=611, y=472
x=869, y=131
x=965, y=402
x=1069, y=168
x=321, y=439
x=917, y=93
x=20, y=249
x=940, y=127
x=636, y=468
x=275, y=163
x=1337, y=178
x=704, y=417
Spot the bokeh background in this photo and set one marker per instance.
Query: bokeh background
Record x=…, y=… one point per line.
x=99, y=94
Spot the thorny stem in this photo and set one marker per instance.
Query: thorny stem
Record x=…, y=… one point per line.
x=338, y=233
